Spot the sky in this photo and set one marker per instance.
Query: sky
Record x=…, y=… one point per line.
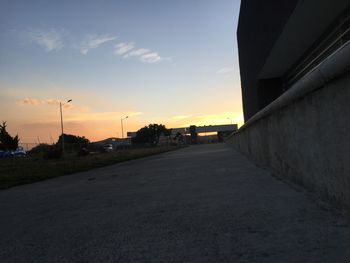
x=156, y=61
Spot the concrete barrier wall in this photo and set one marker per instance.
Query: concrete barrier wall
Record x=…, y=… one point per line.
x=306, y=141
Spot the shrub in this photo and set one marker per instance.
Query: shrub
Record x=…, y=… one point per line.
x=53, y=152
x=83, y=152
x=41, y=148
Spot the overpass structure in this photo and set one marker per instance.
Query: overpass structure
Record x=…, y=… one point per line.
x=219, y=129
x=226, y=128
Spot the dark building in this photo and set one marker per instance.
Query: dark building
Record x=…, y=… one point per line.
x=281, y=41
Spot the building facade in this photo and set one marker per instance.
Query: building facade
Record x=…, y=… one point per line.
x=281, y=41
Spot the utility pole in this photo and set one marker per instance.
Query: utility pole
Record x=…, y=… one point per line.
x=121, y=121
x=62, y=136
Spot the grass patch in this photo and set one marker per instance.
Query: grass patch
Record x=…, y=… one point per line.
x=16, y=171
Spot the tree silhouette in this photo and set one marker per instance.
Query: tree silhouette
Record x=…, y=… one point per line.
x=69, y=138
x=7, y=142
x=150, y=134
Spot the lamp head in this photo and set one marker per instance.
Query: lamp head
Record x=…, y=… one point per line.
x=69, y=100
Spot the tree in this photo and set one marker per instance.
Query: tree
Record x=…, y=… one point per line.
x=179, y=137
x=194, y=134
x=69, y=138
x=7, y=142
x=150, y=134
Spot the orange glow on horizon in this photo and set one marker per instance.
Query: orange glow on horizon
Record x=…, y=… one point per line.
x=99, y=126
x=37, y=119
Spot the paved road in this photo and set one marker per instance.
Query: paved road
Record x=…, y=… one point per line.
x=199, y=204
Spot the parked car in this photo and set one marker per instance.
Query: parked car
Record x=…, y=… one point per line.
x=20, y=152
x=108, y=147
x=5, y=154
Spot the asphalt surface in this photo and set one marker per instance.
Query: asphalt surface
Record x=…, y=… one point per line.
x=198, y=204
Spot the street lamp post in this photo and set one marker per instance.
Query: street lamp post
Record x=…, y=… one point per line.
x=62, y=136
x=121, y=121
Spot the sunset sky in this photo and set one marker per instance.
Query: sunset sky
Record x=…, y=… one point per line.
x=158, y=61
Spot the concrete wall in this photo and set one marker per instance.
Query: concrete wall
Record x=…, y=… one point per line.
x=306, y=141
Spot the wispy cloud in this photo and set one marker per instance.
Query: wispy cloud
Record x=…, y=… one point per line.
x=28, y=101
x=181, y=117
x=50, y=40
x=151, y=57
x=83, y=112
x=145, y=55
x=216, y=119
x=101, y=116
x=92, y=41
x=137, y=52
x=123, y=48
x=38, y=102
x=225, y=70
